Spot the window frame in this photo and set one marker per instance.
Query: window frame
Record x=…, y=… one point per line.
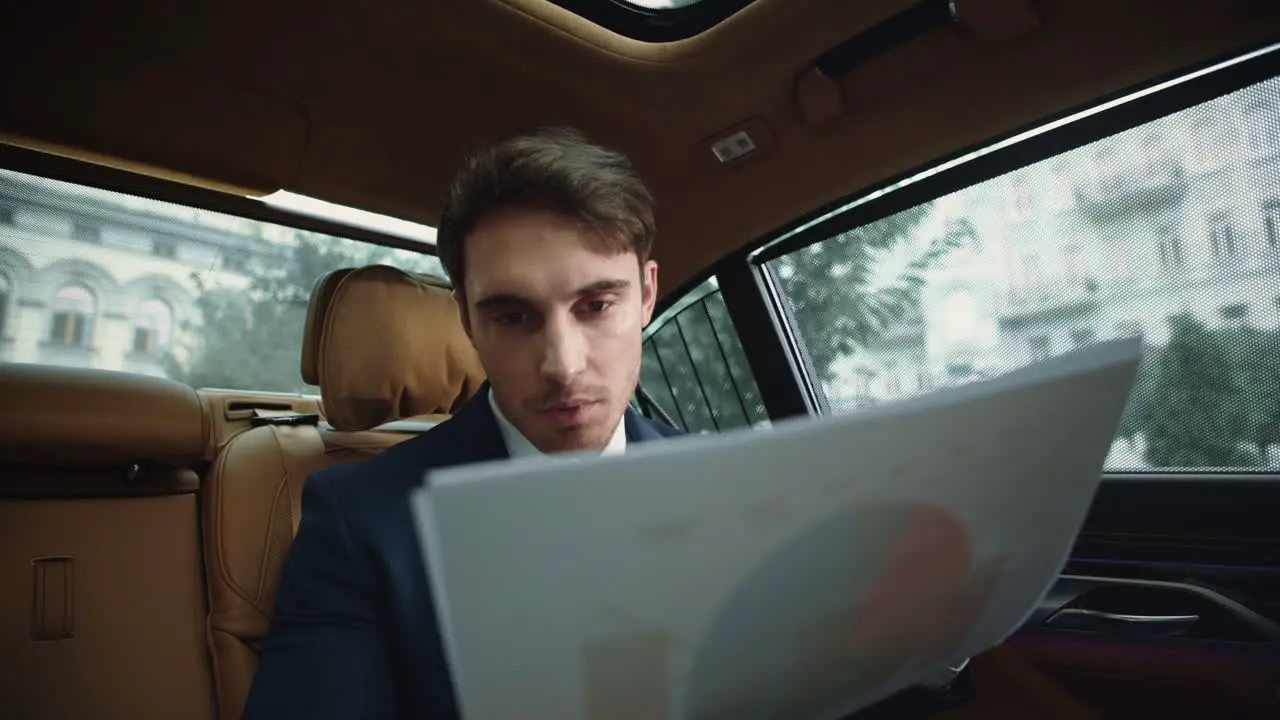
x=934, y=180
x=102, y=177
x=152, y=332
x=72, y=327
x=1222, y=237
x=1271, y=223
x=777, y=356
x=1169, y=251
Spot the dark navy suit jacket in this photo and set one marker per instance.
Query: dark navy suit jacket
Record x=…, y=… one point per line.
x=354, y=634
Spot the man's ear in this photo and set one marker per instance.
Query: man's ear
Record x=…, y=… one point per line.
x=649, y=280
x=461, y=298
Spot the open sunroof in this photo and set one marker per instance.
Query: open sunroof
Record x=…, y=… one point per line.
x=654, y=20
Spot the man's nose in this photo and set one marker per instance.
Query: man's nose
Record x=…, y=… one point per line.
x=564, y=353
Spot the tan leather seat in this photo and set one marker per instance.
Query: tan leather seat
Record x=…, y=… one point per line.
x=102, y=600
x=389, y=354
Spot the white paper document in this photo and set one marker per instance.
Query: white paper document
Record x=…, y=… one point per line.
x=803, y=571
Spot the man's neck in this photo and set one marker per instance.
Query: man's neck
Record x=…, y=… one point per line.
x=519, y=446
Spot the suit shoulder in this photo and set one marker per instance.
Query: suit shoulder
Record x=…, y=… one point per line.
x=664, y=429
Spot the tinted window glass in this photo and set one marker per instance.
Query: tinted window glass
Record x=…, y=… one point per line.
x=90, y=278
x=1168, y=231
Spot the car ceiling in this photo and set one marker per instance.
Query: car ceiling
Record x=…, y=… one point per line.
x=372, y=104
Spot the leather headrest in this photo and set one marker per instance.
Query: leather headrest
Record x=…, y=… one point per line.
x=384, y=344
x=73, y=416
x=321, y=296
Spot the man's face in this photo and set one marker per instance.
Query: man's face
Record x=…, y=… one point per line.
x=556, y=324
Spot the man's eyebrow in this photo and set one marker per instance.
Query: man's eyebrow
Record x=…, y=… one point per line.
x=507, y=300
x=500, y=300
x=603, y=286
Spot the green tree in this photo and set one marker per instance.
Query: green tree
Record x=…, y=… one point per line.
x=1136, y=412
x=1255, y=362
x=837, y=298
x=1197, y=415
x=839, y=304
x=252, y=340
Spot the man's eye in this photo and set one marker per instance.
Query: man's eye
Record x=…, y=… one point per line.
x=513, y=318
x=598, y=306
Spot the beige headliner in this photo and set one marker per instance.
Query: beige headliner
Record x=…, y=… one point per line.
x=371, y=104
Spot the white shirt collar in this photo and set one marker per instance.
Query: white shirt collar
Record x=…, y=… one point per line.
x=519, y=446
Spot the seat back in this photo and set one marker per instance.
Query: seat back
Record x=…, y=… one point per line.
x=389, y=354
x=102, y=601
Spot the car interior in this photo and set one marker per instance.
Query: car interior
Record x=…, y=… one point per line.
x=217, y=274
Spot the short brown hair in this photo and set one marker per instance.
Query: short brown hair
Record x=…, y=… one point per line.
x=555, y=169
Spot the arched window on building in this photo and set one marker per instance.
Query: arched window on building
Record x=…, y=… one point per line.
x=73, y=310
x=1169, y=245
x=1222, y=237
x=1271, y=224
x=152, y=327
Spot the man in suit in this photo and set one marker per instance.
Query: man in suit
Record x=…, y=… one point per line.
x=546, y=238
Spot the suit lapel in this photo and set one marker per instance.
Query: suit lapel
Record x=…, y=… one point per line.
x=473, y=435
x=638, y=429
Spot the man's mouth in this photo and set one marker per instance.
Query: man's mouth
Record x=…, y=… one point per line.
x=568, y=413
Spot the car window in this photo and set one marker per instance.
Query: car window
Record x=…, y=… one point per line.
x=694, y=368
x=97, y=279
x=1169, y=231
